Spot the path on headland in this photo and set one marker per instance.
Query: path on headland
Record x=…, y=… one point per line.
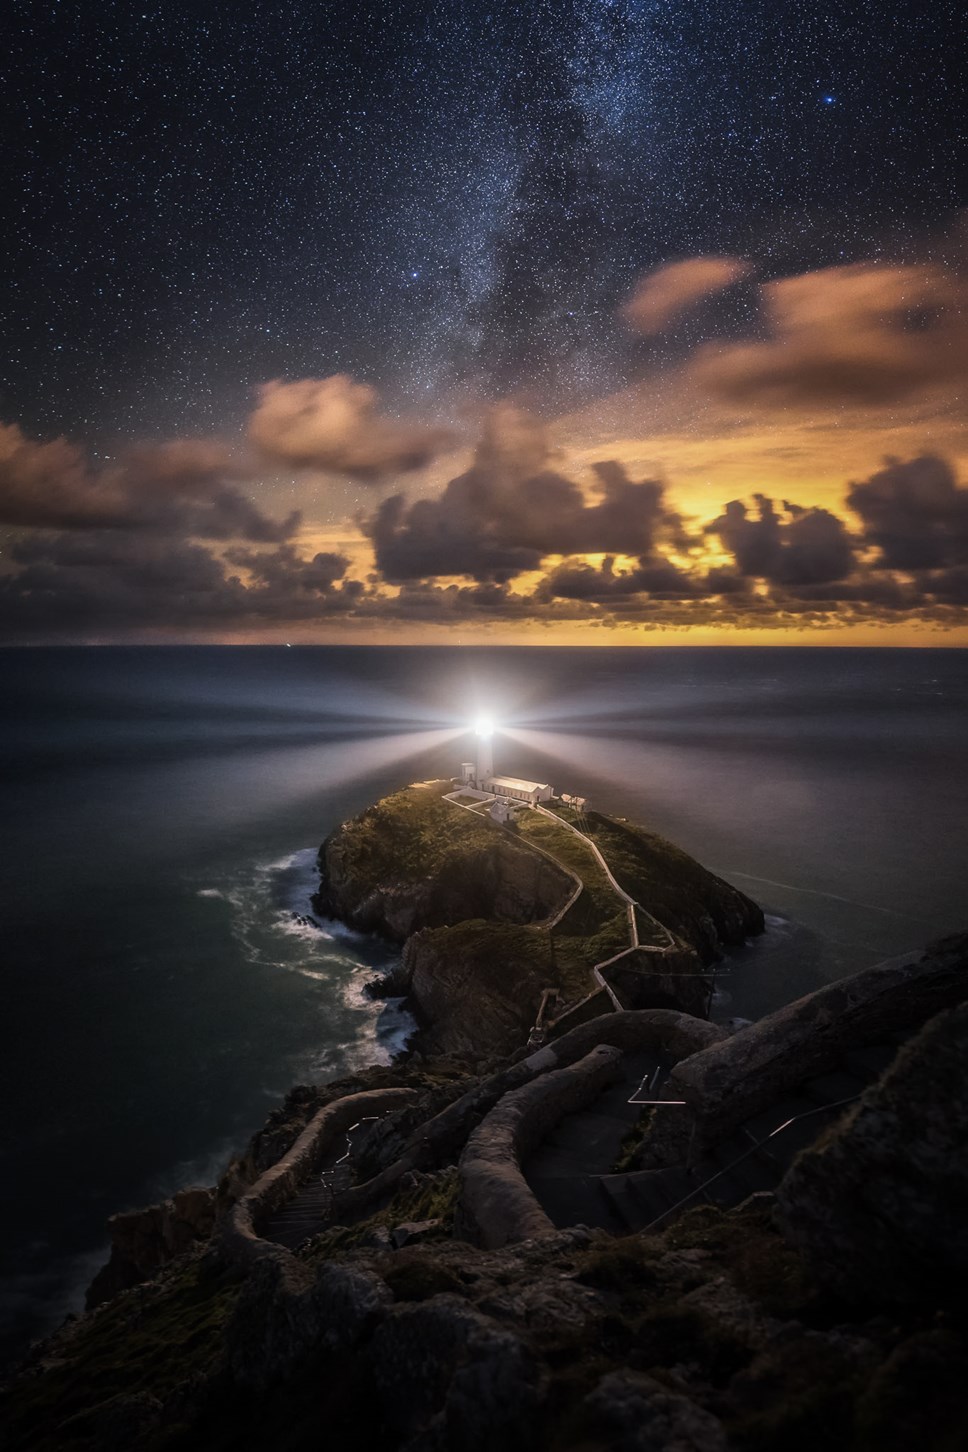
x=663, y=940
x=633, y=908
x=661, y=943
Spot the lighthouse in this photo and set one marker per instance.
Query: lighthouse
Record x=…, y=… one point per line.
x=479, y=779
x=484, y=730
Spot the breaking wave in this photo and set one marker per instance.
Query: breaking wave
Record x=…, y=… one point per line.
x=274, y=924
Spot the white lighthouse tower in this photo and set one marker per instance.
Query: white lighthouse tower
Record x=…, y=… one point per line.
x=484, y=729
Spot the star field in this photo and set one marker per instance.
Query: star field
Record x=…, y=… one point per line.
x=371, y=321
x=447, y=200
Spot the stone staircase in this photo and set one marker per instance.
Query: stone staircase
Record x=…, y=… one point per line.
x=571, y=1172
x=310, y=1210
x=574, y=1185
x=565, y=1172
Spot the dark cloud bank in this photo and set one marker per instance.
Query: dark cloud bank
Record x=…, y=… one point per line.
x=165, y=542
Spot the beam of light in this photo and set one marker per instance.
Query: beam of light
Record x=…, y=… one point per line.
x=585, y=755
x=484, y=727
x=334, y=765
x=269, y=777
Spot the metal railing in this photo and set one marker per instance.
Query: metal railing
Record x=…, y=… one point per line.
x=757, y=1145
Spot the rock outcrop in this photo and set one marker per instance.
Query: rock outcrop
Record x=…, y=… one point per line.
x=143, y=1241
x=475, y=987
x=736, y=1078
x=879, y=1206
x=639, y=1414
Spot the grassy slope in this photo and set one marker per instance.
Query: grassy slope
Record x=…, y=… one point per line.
x=666, y=881
x=413, y=833
x=596, y=927
x=149, y=1342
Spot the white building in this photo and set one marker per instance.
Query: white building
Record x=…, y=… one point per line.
x=479, y=776
x=500, y=810
x=517, y=790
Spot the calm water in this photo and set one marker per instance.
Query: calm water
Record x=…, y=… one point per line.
x=161, y=984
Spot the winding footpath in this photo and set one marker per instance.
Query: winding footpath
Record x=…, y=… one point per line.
x=633, y=909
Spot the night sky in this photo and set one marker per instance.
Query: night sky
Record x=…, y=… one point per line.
x=564, y=321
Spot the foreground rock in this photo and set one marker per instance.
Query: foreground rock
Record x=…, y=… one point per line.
x=746, y=1330
x=709, y=1337
x=879, y=1207
x=727, y=1083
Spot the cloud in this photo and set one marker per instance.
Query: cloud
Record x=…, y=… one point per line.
x=656, y=576
x=861, y=334
x=798, y=547
x=285, y=574
x=663, y=295
x=177, y=488
x=51, y=485
x=914, y=513
x=511, y=509
x=163, y=541
x=332, y=424
x=112, y=582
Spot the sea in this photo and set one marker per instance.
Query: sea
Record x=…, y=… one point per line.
x=165, y=980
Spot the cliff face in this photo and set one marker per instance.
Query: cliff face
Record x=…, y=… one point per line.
x=477, y=986
x=878, y=1206
x=142, y=1241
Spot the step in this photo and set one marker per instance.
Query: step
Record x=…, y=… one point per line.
x=671, y=1187
x=746, y=1170
x=625, y=1206
x=576, y=1200
x=644, y=1196
x=589, y=1127
x=321, y=1196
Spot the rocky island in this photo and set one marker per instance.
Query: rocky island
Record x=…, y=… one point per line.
x=492, y=918
x=578, y=1214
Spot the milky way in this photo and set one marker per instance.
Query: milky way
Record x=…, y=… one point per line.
x=449, y=200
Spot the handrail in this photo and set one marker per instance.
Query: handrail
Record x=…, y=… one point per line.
x=632, y=907
x=794, y=1119
x=579, y=888
x=630, y=901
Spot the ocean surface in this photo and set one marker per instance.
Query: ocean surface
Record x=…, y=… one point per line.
x=164, y=982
